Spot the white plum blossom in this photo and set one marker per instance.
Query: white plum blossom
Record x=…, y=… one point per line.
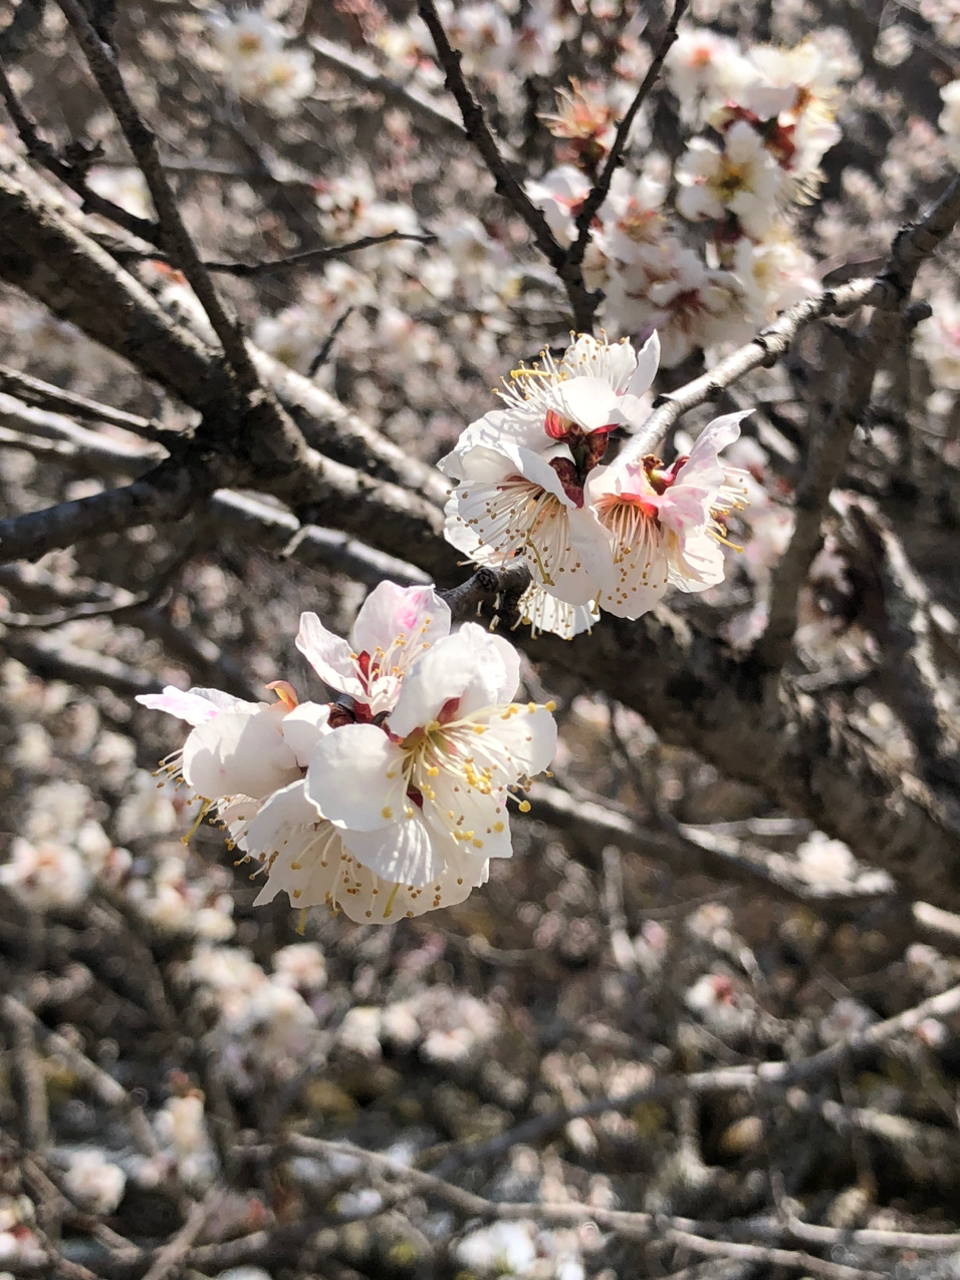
x=560, y=194
x=789, y=81
x=394, y=626
x=390, y=801
x=774, y=273
x=521, y=469
x=426, y=792
x=666, y=523
x=44, y=875
x=256, y=63
x=94, y=1182
x=704, y=70
x=742, y=179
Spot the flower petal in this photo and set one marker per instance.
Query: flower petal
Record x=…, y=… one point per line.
x=443, y=673
x=355, y=778
x=330, y=657
x=195, y=705
x=239, y=752
x=391, y=611
x=303, y=727
x=648, y=362
x=407, y=852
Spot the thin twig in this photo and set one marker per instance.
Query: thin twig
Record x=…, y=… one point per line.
x=44, y=394
x=770, y=1256
x=320, y=359
x=70, y=175
x=367, y=76
x=475, y=123
x=250, y=270
x=601, y=188
x=102, y=61
x=95, y=1078
x=747, y=1079
x=173, y=1254
x=828, y=450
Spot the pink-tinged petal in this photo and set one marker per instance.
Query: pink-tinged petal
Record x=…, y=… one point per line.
x=391, y=611
x=330, y=657
x=355, y=778
x=303, y=728
x=195, y=705
x=405, y=853
x=648, y=362
x=239, y=752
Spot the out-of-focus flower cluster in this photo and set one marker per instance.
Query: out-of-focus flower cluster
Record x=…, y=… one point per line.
x=258, y=65
x=531, y=483
x=392, y=800
x=724, y=258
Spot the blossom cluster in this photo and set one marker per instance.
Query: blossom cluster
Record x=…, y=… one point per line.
x=258, y=65
x=769, y=115
x=392, y=800
x=531, y=482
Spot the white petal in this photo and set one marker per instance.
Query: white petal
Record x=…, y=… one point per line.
x=479, y=822
x=648, y=362
x=278, y=819
x=239, y=752
x=590, y=402
x=303, y=727
x=407, y=852
x=573, y=567
x=355, y=778
x=330, y=657
x=533, y=467
x=530, y=737
x=443, y=673
x=390, y=611
x=722, y=431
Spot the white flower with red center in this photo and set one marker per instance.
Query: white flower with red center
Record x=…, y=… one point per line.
x=560, y=194
x=742, y=179
x=666, y=524
x=394, y=626
x=521, y=470
x=705, y=69
x=425, y=792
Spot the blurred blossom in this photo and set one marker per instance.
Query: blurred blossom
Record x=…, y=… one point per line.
x=847, y=1018
x=823, y=861
x=94, y=1182
x=45, y=875
x=256, y=63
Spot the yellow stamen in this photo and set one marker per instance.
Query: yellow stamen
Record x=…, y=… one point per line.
x=388, y=909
